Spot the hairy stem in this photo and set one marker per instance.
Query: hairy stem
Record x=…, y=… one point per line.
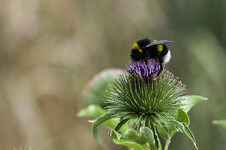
x=167, y=144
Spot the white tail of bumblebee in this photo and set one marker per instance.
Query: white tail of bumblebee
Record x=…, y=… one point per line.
x=167, y=57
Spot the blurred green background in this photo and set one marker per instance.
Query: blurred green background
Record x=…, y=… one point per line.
x=51, y=49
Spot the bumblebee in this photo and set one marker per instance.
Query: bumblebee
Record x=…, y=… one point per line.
x=146, y=49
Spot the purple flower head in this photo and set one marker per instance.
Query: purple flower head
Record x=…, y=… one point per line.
x=148, y=70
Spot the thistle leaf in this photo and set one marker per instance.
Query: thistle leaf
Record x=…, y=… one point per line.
x=184, y=129
x=139, y=139
x=190, y=101
x=98, y=122
x=131, y=144
x=190, y=135
x=132, y=135
x=164, y=132
x=102, y=119
x=112, y=124
x=148, y=135
x=182, y=117
x=109, y=123
x=121, y=140
x=120, y=124
x=91, y=111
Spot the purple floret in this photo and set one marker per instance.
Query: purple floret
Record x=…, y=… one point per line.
x=148, y=70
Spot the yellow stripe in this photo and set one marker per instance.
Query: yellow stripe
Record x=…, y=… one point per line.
x=137, y=47
x=159, y=48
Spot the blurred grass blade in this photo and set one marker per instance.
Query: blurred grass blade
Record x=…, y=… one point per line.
x=220, y=122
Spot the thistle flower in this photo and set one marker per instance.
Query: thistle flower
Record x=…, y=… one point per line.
x=132, y=99
x=148, y=70
x=144, y=98
x=147, y=99
x=150, y=104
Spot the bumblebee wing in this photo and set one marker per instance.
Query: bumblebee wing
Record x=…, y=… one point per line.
x=159, y=42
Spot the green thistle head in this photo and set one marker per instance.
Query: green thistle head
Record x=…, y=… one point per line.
x=132, y=99
x=145, y=103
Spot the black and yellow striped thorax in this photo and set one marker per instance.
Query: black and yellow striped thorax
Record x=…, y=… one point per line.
x=141, y=50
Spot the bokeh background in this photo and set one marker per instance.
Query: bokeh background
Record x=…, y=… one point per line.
x=51, y=49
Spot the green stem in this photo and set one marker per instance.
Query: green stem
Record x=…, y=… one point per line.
x=167, y=144
x=155, y=136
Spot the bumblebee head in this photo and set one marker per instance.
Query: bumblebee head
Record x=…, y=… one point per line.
x=138, y=49
x=141, y=45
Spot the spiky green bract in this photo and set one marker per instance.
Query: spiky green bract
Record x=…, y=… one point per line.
x=145, y=104
x=95, y=91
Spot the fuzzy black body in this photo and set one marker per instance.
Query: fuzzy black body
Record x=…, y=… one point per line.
x=139, y=53
x=145, y=52
x=153, y=53
x=136, y=55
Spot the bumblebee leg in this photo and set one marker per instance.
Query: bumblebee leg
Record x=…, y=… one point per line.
x=161, y=65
